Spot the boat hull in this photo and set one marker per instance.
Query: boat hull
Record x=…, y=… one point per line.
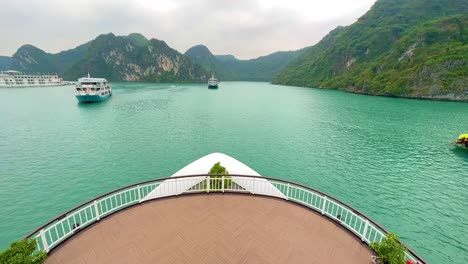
x=84, y=99
x=212, y=86
x=32, y=85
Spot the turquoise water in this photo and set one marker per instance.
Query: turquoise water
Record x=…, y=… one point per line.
x=391, y=158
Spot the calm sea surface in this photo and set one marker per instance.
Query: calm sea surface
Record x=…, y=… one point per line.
x=391, y=158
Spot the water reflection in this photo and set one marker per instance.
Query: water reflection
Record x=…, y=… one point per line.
x=460, y=152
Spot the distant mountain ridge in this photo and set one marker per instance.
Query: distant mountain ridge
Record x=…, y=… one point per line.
x=117, y=58
x=5, y=63
x=28, y=58
x=202, y=56
x=225, y=58
x=229, y=68
x=135, y=58
x=408, y=48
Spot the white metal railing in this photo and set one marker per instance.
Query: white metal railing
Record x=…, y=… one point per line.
x=59, y=229
x=88, y=86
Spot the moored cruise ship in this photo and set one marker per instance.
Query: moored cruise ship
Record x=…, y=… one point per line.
x=90, y=90
x=19, y=79
x=213, y=82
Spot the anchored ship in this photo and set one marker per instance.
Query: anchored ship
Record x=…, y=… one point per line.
x=195, y=217
x=213, y=82
x=90, y=90
x=19, y=79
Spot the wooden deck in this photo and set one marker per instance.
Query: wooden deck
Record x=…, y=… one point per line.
x=215, y=228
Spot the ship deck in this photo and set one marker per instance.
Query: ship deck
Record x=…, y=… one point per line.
x=213, y=228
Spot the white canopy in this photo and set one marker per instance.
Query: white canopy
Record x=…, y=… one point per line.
x=86, y=79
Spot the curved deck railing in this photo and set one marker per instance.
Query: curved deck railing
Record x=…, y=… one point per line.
x=67, y=224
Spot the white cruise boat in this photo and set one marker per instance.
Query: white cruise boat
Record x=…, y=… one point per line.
x=90, y=90
x=19, y=79
x=213, y=82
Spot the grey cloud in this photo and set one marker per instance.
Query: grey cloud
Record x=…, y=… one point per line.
x=237, y=27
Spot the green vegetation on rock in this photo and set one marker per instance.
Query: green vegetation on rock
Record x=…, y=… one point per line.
x=30, y=59
x=5, y=62
x=133, y=58
x=409, y=48
x=117, y=58
x=228, y=68
x=23, y=252
x=201, y=55
x=138, y=39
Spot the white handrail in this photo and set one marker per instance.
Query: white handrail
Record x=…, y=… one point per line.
x=62, y=228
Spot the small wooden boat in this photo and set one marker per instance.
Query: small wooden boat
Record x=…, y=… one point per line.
x=462, y=140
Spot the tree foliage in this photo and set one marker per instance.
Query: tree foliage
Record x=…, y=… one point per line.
x=218, y=169
x=116, y=58
x=23, y=252
x=5, y=63
x=216, y=181
x=390, y=250
x=134, y=57
x=228, y=68
x=120, y=58
x=400, y=47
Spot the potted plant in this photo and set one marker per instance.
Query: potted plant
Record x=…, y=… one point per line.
x=23, y=252
x=390, y=250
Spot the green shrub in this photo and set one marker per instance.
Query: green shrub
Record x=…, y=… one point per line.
x=390, y=250
x=22, y=252
x=216, y=181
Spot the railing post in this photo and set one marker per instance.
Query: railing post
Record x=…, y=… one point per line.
x=222, y=183
x=44, y=240
x=97, y=211
x=324, y=204
x=139, y=193
x=208, y=184
x=363, y=237
x=287, y=192
x=253, y=189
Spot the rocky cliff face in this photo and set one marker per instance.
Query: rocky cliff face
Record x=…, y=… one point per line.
x=429, y=62
x=117, y=58
x=124, y=59
x=31, y=59
x=34, y=60
x=135, y=58
x=407, y=48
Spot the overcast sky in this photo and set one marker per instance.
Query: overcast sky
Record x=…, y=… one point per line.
x=244, y=28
